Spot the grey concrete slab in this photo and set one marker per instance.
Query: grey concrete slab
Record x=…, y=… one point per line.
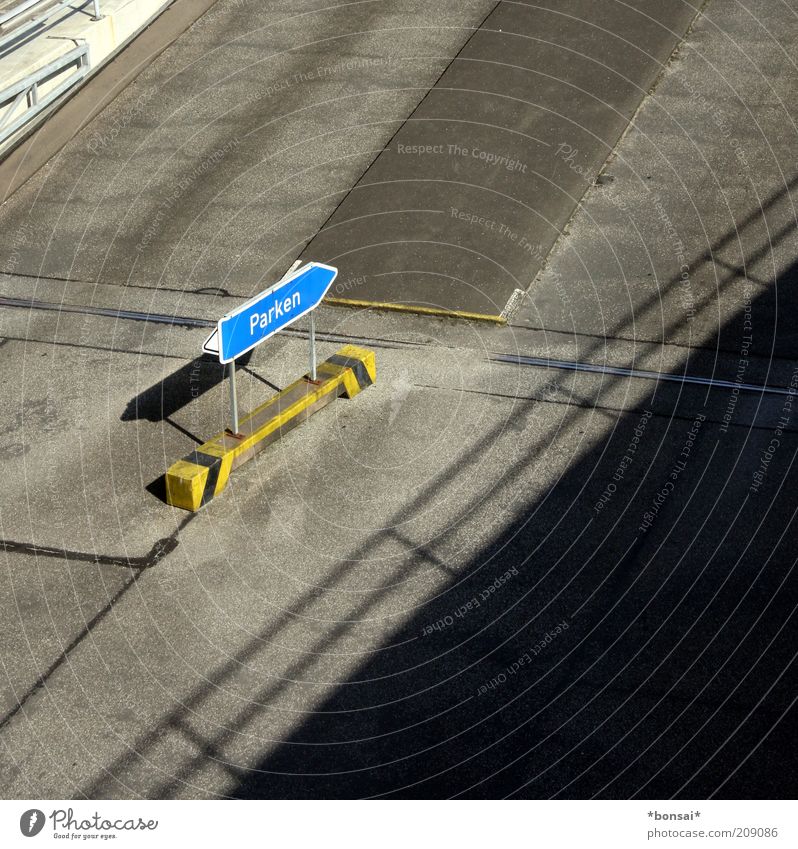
x=369, y=326
x=464, y=205
x=328, y=554
x=47, y=603
x=297, y=604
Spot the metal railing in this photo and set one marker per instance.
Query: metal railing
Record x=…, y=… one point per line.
x=22, y=19
x=20, y=23
x=23, y=100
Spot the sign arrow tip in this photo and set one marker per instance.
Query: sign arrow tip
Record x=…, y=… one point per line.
x=211, y=344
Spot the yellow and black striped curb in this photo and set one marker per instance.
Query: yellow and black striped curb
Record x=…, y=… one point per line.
x=196, y=479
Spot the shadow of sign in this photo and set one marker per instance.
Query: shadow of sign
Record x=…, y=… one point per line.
x=168, y=396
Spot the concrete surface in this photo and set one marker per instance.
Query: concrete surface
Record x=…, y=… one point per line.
x=692, y=229
x=463, y=206
x=314, y=632
x=225, y=156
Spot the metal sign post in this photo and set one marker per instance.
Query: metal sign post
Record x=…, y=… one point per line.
x=313, y=347
x=233, y=399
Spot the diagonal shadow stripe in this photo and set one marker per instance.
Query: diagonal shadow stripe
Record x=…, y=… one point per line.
x=159, y=550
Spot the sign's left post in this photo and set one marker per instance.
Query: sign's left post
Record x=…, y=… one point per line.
x=233, y=397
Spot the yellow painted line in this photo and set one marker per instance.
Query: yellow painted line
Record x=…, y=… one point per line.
x=436, y=311
x=203, y=474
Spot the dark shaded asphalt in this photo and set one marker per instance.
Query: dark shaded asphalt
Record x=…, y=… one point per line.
x=608, y=661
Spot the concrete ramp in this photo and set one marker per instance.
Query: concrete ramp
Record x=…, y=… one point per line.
x=464, y=204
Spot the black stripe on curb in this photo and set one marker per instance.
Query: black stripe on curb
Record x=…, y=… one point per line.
x=199, y=458
x=358, y=368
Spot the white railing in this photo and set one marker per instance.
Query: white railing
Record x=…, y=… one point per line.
x=21, y=20
x=24, y=99
x=20, y=23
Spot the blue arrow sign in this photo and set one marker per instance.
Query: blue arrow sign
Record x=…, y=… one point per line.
x=270, y=311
